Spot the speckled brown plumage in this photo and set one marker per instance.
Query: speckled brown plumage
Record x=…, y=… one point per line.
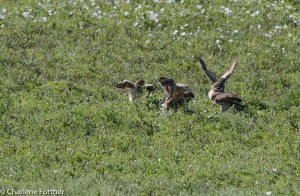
x=177, y=93
x=135, y=88
x=217, y=94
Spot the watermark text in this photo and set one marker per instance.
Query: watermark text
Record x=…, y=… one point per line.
x=31, y=192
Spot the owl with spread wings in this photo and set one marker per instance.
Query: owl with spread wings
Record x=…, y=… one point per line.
x=217, y=94
x=136, y=88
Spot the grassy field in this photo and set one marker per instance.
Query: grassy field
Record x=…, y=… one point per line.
x=65, y=127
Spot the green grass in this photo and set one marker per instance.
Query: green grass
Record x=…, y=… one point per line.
x=64, y=125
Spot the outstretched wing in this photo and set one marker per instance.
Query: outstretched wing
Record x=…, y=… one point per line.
x=210, y=74
x=220, y=84
x=227, y=98
x=224, y=107
x=180, y=87
x=178, y=99
x=125, y=84
x=149, y=87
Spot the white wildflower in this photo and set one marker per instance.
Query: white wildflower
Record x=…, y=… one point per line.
x=51, y=12
x=185, y=25
x=255, y=13
x=44, y=19
x=183, y=34
x=153, y=16
x=139, y=6
x=95, y=14
x=199, y=7
x=147, y=41
x=235, y=31
x=268, y=193
x=219, y=29
x=170, y=1
x=135, y=24
x=126, y=13
x=226, y=10
x=275, y=6
x=277, y=27
x=111, y=15
x=268, y=35
x=25, y=14
x=175, y=32
x=259, y=26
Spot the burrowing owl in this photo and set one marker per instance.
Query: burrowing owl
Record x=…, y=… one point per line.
x=217, y=94
x=135, y=88
x=177, y=93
